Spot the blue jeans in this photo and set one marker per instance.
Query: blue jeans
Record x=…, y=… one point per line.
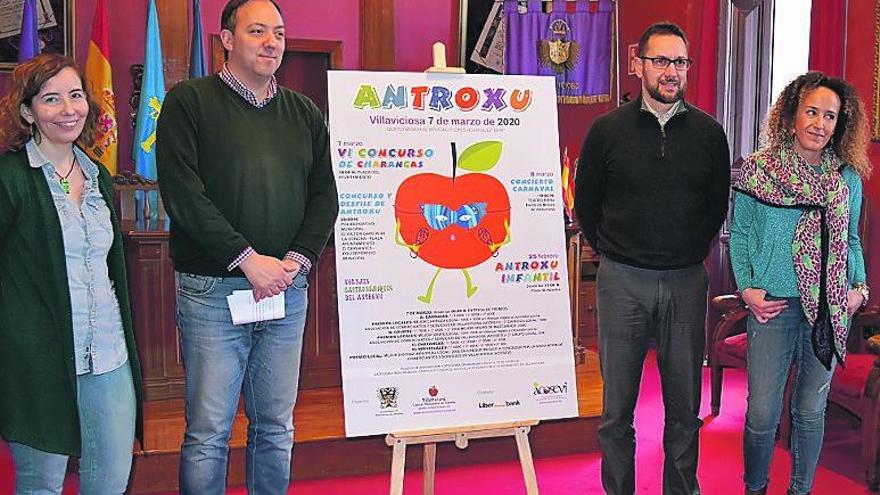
x=772, y=349
x=221, y=361
x=106, y=405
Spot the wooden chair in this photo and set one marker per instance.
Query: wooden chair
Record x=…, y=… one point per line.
x=127, y=186
x=728, y=347
x=855, y=387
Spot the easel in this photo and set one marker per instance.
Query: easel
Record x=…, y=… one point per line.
x=439, y=54
x=461, y=437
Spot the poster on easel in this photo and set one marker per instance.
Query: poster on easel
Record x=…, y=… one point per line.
x=450, y=251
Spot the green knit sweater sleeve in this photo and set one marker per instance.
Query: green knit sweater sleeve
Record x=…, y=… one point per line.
x=183, y=192
x=743, y=217
x=322, y=205
x=855, y=256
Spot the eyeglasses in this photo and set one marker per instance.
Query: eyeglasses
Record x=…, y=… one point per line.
x=663, y=62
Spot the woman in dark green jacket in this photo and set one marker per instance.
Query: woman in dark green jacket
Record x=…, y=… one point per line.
x=70, y=376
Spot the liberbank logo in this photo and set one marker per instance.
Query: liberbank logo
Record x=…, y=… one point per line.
x=558, y=389
x=490, y=405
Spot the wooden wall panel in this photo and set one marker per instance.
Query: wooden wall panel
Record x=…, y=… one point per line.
x=377, y=35
x=151, y=283
x=175, y=34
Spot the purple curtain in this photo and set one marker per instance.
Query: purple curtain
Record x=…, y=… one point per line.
x=521, y=34
x=575, y=47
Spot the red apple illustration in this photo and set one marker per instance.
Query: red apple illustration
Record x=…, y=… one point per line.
x=433, y=391
x=455, y=222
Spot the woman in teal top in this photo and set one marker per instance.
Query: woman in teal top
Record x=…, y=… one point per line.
x=798, y=263
x=70, y=378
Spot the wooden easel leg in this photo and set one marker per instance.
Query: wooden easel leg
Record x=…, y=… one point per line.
x=398, y=463
x=461, y=436
x=429, y=458
x=525, y=460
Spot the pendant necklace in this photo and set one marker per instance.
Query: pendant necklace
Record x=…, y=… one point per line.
x=63, y=179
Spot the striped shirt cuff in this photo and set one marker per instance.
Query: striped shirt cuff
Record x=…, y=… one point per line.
x=238, y=259
x=304, y=264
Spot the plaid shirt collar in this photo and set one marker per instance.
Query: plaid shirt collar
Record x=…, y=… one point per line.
x=229, y=78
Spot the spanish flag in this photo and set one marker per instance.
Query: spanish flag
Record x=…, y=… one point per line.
x=100, y=80
x=568, y=184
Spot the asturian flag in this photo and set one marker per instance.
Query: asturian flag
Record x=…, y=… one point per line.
x=152, y=96
x=100, y=80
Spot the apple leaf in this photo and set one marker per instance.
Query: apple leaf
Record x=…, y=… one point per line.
x=481, y=156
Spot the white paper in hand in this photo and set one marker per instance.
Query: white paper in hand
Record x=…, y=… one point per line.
x=245, y=310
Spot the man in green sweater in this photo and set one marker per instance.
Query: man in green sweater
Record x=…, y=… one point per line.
x=245, y=173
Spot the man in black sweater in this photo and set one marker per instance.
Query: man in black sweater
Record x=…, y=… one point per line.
x=245, y=173
x=652, y=192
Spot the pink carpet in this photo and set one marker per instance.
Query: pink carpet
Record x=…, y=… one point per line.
x=720, y=469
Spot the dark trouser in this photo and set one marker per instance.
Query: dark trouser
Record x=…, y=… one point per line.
x=634, y=305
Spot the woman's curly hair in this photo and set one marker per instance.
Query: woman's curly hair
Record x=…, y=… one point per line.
x=27, y=80
x=850, y=139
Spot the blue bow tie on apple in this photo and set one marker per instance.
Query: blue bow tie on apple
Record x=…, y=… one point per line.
x=468, y=216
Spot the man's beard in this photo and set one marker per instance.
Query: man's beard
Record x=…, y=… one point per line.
x=655, y=93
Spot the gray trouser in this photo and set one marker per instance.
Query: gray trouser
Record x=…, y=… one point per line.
x=635, y=305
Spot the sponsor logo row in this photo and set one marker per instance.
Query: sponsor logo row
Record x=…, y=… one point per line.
x=388, y=397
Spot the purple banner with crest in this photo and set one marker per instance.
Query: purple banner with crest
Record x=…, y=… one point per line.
x=574, y=46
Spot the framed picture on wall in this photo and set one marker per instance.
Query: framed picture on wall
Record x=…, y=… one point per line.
x=55, y=24
x=481, y=36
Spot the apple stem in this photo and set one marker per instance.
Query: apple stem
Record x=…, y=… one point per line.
x=454, y=161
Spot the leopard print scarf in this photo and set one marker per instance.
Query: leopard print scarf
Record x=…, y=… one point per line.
x=784, y=179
